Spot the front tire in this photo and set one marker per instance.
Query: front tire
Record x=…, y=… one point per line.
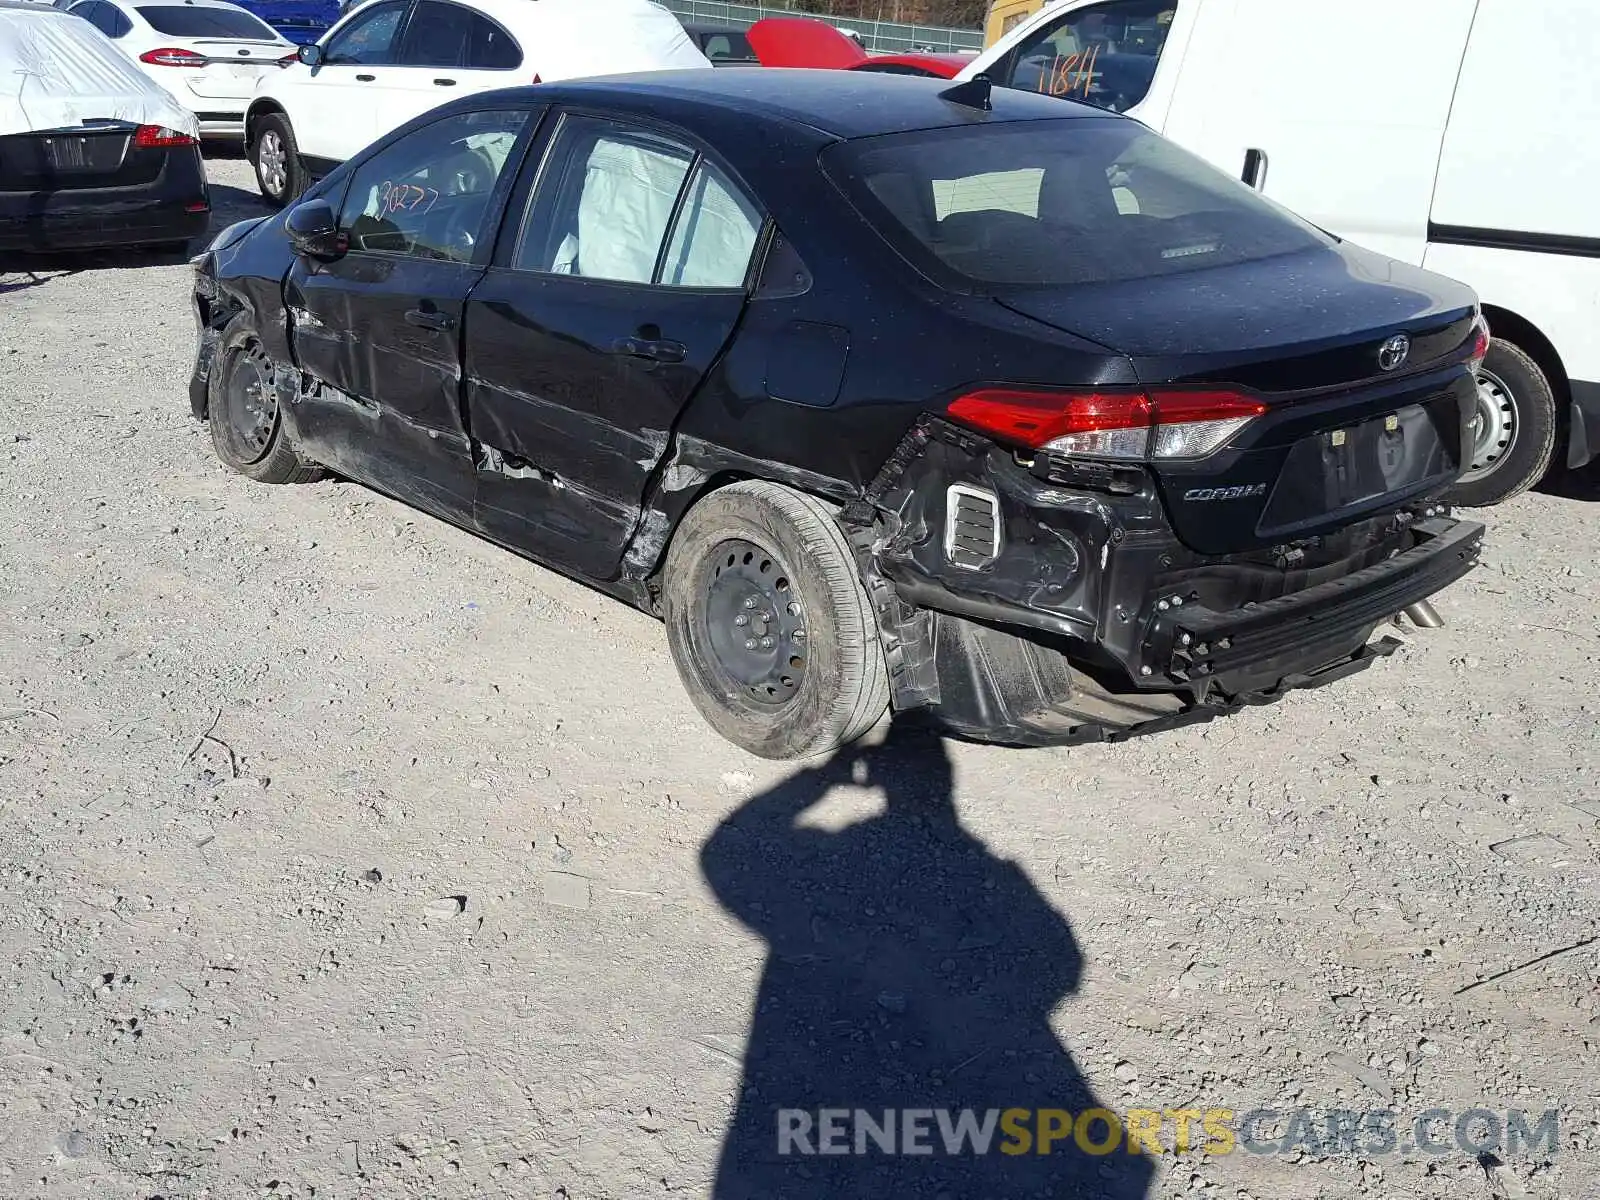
x=1514, y=429
x=246, y=421
x=769, y=625
x=275, y=155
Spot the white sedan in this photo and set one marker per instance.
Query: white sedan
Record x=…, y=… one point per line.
x=209, y=54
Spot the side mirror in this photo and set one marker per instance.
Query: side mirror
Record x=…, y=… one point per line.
x=313, y=230
x=310, y=55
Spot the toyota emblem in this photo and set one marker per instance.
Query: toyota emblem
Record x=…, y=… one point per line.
x=1394, y=352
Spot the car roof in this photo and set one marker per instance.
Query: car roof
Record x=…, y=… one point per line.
x=137, y=4
x=845, y=104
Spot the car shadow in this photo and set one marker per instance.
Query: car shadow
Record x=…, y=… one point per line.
x=908, y=968
x=1582, y=484
x=230, y=204
x=22, y=278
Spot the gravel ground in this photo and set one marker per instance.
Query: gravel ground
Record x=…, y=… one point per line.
x=345, y=856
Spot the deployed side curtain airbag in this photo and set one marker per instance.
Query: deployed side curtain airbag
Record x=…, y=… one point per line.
x=629, y=192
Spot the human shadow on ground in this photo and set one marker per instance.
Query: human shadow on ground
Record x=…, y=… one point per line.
x=907, y=968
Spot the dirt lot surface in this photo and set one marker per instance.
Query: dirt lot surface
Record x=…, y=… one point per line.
x=345, y=856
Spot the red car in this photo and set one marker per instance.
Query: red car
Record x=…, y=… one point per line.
x=804, y=42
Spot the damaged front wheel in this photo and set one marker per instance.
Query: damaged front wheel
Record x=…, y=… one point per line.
x=246, y=421
x=768, y=623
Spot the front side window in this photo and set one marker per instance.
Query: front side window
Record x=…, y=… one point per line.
x=632, y=206
x=1104, y=54
x=176, y=20
x=433, y=193
x=1050, y=203
x=369, y=38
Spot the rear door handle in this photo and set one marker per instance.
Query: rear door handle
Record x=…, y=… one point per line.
x=656, y=350
x=365, y=78
x=445, y=82
x=427, y=318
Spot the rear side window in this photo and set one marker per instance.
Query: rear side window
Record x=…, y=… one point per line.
x=489, y=47
x=1058, y=202
x=729, y=47
x=448, y=35
x=195, y=22
x=605, y=211
x=715, y=235
x=626, y=204
x=436, y=36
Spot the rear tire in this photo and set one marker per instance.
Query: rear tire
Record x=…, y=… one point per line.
x=769, y=626
x=246, y=421
x=275, y=155
x=1514, y=432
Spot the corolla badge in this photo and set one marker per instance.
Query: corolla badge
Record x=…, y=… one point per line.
x=1241, y=491
x=1394, y=352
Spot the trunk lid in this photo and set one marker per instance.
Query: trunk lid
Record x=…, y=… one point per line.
x=233, y=66
x=1344, y=435
x=64, y=160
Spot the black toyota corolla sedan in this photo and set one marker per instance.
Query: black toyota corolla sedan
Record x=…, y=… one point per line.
x=881, y=393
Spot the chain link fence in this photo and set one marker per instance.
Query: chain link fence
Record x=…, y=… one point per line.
x=882, y=36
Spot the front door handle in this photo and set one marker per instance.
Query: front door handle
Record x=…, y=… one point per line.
x=365, y=78
x=654, y=349
x=445, y=82
x=430, y=318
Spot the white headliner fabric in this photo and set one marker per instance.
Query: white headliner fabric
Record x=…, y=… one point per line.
x=57, y=71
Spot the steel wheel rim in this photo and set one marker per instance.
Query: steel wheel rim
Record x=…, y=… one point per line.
x=1494, y=426
x=272, y=163
x=252, y=409
x=754, y=623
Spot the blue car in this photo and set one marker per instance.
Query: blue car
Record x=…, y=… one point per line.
x=301, y=21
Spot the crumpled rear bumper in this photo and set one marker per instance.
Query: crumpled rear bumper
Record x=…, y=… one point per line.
x=1255, y=646
x=1157, y=634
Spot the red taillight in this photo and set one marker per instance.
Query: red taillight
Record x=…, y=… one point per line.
x=173, y=56
x=1164, y=423
x=1480, y=343
x=157, y=137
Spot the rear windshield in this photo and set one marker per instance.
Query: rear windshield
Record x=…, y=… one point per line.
x=1043, y=203
x=183, y=21
x=728, y=47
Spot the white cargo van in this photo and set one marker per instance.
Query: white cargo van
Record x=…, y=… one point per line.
x=1461, y=135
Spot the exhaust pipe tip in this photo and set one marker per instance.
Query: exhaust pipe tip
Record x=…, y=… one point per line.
x=1424, y=616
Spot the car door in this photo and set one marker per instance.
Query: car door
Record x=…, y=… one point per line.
x=1108, y=53
x=333, y=106
x=379, y=328
x=1285, y=96
x=448, y=50
x=594, y=327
